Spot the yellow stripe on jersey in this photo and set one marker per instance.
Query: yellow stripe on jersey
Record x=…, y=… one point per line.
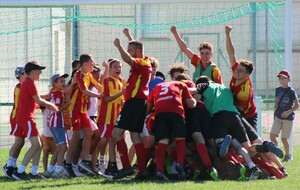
x=73, y=100
x=137, y=86
x=17, y=92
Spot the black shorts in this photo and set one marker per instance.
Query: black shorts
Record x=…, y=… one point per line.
x=169, y=125
x=132, y=115
x=227, y=122
x=252, y=134
x=198, y=120
x=253, y=122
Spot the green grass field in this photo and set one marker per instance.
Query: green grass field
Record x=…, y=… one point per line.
x=290, y=183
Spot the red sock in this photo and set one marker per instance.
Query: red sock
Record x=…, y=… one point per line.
x=269, y=168
x=173, y=154
x=123, y=151
x=230, y=157
x=160, y=157
x=203, y=153
x=180, y=150
x=140, y=155
x=147, y=154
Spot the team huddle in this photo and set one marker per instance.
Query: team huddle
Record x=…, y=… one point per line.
x=183, y=129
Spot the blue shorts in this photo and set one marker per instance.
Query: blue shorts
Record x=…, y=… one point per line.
x=59, y=135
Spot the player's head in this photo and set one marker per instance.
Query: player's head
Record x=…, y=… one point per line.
x=115, y=67
x=86, y=62
x=135, y=49
x=154, y=65
x=75, y=64
x=203, y=79
x=160, y=75
x=20, y=74
x=176, y=69
x=206, y=51
x=33, y=70
x=59, y=80
x=284, y=77
x=243, y=70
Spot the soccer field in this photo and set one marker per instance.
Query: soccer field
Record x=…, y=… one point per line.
x=290, y=183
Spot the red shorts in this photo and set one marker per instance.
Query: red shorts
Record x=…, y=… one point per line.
x=80, y=120
x=26, y=129
x=106, y=130
x=12, y=126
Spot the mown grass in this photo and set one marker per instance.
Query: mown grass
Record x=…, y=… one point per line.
x=86, y=183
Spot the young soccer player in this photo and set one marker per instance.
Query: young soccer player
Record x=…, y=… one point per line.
x=80, y=118
x=111, y=104
x=56, y=125
x=134, y=108
x=286, y=102
x=168, y=98
x=25, y=120
x=203, y=64
x=11, y=165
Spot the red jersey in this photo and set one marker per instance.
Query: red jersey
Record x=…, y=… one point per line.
x=138, y=81
x=109, y=111
x=57, y=98
x=243, y=96
x=168, y=97
x=78, y=99
x=27, y=105
x=16, y=101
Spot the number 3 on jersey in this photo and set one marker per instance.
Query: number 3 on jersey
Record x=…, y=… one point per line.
x=164, y=89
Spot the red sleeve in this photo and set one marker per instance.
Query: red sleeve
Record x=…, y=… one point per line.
x=57, y=98
x=33, y=90
x=186, y=93
x=195, y=60
x=80, y=82
x=150, y=99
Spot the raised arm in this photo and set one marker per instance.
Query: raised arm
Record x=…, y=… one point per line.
x=124, y=54
x=105, y=73
x=127, y=34
x=182, y=45
x=229, y=46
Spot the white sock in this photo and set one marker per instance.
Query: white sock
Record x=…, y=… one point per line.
x=10, y=161
x=58, y=168
x=50, y=168
x=35, y=170
x=102, y=159
x=14, y=162
x=21, y=169
x=251, y=165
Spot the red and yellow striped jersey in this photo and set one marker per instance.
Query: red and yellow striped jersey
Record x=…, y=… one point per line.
x=109, y=111
x=78, y=99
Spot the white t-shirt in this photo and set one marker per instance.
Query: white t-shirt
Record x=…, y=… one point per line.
x=93, y=110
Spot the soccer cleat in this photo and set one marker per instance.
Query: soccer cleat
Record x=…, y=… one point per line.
x=21, y=176
x=287, y=158
x=242, y=172
x=8, y=170
x=254, y=173
x=47, y=174
x=77, y=172
x=225, y=146
x=161, y=176
x=37, y=177
x=213, y=173
x=123, y=173
x=274, y=149
x=181, y=173
x=142, y=175
x=59, y=175
x=111, y=170
x=87, y=166
x=283, y=171
x=68, y=169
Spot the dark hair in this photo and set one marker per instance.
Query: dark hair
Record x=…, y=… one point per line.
x=177, y=68
x=84, y=58
x=182, y=76
x=247, y=64
x=160, y=74
x=137, y=44
x=75, y=62
x=203, y=79
x=96, y=68
x=206, y=45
